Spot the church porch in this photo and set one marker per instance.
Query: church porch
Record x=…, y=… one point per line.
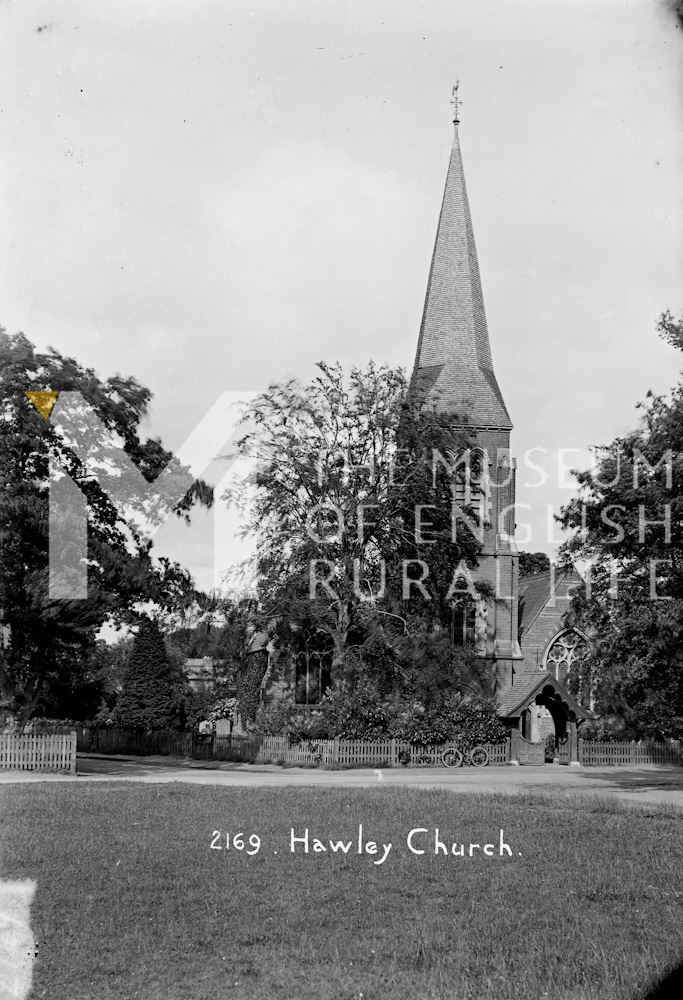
x=524, y=708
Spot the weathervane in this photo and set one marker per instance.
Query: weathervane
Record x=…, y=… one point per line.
x=456, y=102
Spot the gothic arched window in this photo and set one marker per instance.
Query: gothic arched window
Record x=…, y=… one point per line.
x=565, y=652
x=312, y=676
x=464, y=615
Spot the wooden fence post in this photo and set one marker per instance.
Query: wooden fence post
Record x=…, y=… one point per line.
x=514, y=746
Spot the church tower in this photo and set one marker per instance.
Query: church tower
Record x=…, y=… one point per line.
x=454, y=375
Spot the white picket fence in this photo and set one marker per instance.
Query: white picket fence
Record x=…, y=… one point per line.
x=347, y=753
x=39, y=753
x=622, y=754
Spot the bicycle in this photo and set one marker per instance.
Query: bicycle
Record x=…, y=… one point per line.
x=453, y=757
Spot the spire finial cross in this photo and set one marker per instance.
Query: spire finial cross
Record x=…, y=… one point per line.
x=456, y=102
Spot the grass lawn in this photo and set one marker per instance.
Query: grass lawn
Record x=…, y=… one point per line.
x=132, y=901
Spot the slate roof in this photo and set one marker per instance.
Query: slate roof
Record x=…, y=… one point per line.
x=513, y=701
x=534, y=594
x=453, y=367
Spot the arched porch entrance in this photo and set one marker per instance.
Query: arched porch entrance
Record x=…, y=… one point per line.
x=523, y=708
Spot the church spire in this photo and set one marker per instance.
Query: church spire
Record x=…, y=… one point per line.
x=453, y=367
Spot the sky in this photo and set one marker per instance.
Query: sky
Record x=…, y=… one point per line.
x=214, y=196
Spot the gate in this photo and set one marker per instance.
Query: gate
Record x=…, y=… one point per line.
x=202, y=746
x=530, y=753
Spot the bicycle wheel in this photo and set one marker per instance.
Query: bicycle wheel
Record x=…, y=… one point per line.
x=451, y=758
x=479, y=757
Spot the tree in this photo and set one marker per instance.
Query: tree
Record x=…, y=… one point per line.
x=81, y=692
x=45, y=639
x=533, y=562
x=628, y=524
x=152, y=694
x=433, y=669
x=353, y=499
x=222, y=629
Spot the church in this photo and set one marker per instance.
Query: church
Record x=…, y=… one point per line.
x=522, y=630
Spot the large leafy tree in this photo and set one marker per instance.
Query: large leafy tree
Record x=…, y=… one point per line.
x=45, y=640
x=627, y=522
x=533, y=562
x=351, y=499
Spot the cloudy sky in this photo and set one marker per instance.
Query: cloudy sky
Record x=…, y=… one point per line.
x=213, y=195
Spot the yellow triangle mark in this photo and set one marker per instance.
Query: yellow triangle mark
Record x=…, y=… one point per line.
x=43, y=402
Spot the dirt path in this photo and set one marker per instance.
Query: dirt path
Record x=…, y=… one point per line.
x=647, y=784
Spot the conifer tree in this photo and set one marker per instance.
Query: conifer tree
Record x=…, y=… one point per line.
x=151, y=696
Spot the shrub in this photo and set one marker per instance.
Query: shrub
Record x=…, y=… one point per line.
x=197, y=705
x=224, y=708
x=605, y=730
x=313, y=727
x=287, y=720
x=467, y=720
x=273, y=720
x=356, y=713
x=360, y=713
